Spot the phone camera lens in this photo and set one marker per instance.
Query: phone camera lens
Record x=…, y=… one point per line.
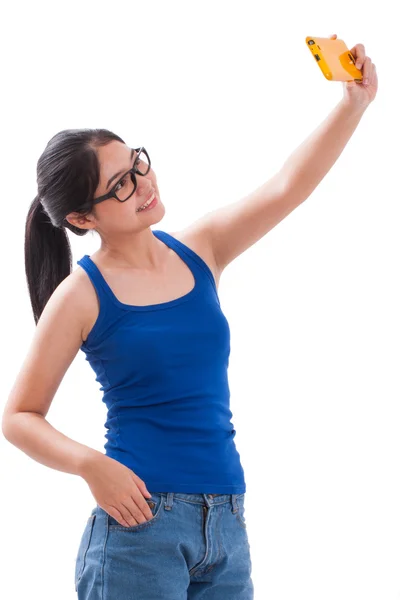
x=311, y=42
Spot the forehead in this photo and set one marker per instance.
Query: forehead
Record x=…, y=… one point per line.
x=113, y=157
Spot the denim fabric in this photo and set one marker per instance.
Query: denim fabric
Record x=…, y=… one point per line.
x=195, y=547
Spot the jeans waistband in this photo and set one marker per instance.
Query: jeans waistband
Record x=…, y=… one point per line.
x=204, y=499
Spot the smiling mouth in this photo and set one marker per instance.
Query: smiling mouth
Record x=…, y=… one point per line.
x=147, y=203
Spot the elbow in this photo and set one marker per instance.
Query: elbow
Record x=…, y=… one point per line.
x=6, y=426
x=9, y=426
x=16, y=424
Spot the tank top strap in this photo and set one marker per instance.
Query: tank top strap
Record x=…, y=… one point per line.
x=188, y=256
x=95, y=276
x=108, y=312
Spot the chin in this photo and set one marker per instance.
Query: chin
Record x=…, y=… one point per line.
x=159, y=212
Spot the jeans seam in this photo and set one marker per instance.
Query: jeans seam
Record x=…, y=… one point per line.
x=217, y=533
x=239, y=518
x=104, y=559
x=219, y=537
x=195, y=569
x=90, y=524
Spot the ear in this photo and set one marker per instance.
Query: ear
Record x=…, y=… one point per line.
x=81, y=221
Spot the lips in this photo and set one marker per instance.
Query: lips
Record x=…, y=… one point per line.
x=152, y=194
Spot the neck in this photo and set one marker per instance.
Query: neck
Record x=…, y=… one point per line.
x=140, y=250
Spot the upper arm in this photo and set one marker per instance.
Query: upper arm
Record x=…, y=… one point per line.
x=235, y=227
x=56, y=341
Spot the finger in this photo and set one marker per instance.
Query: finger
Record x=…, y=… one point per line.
x=131, y=513
x=143, y=507
x=137, y=496
x=333, y=36
x=367, y=70
x=358, y=51
x=374, y=77
x=115, y=513
x=141, y=485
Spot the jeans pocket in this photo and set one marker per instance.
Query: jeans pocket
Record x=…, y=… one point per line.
x=83, y=548
x=155, y=503
x=240, y=516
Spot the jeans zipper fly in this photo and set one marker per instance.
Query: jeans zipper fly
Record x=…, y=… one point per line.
x=205, y=510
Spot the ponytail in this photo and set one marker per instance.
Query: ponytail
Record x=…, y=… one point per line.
x=68, y=173
x=48, y=257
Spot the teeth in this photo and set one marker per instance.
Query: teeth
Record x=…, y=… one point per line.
x=146, y=204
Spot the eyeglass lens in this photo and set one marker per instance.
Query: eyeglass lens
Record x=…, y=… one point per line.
x=125, y=186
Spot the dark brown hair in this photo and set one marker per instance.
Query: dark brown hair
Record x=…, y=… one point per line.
x=68, y=173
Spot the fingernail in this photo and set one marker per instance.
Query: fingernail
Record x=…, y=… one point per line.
x=366, y=81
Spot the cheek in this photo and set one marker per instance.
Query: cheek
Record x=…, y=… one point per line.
x=118, y=213
x=126, y=213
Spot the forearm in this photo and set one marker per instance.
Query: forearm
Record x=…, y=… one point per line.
x=312, y=160
x=31, y=433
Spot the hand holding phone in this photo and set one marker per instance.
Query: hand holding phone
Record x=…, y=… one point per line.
x=334, y=59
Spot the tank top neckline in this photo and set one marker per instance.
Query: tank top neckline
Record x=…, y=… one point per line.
x=172, y=243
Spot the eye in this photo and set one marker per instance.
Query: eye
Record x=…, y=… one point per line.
x=122, y=182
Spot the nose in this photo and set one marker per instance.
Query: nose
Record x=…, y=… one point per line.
x=146, y=187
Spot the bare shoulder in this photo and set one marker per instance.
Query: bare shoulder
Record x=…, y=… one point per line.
x=196, y=236
x=56, y=341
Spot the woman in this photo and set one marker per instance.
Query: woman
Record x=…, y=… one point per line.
x=169, y=516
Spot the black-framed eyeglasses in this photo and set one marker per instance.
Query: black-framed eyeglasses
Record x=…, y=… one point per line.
x=127, y=184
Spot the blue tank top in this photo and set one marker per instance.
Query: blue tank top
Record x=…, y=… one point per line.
x=163, y=373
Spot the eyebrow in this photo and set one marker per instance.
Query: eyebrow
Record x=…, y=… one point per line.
x=119, y=172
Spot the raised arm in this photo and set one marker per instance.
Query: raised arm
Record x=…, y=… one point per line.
x=232, y=229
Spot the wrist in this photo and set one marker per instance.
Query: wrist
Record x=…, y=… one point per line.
x=87, y=460
x=353, y=108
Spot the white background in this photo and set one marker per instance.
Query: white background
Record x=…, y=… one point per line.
x=221, y=94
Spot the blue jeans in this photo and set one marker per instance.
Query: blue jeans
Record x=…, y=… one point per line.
x=195, y=547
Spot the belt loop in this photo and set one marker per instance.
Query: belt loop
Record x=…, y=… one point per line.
x=169, y=501
x=234, y=502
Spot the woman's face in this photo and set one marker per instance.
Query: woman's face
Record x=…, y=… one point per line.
x=111, y=216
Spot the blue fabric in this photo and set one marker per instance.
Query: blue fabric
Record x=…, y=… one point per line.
x=194, y=547
x=163, y=373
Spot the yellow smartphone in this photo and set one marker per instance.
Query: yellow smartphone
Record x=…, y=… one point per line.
x=334, y=59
